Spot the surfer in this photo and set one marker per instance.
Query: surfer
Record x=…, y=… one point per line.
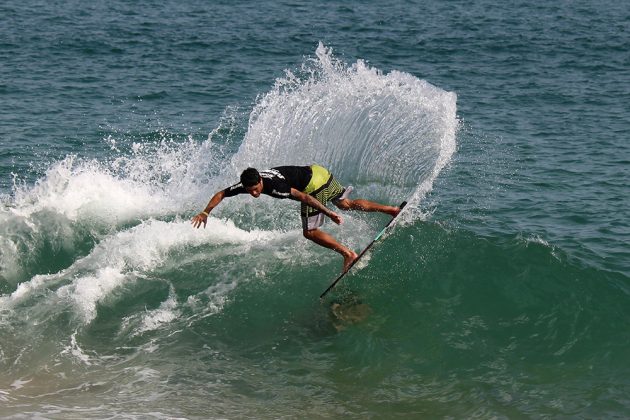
x=314, y=187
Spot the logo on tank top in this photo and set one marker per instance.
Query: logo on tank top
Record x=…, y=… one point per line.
x=270, y=173
x=281, y=194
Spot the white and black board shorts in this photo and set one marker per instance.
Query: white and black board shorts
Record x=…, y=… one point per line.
x=324, y=188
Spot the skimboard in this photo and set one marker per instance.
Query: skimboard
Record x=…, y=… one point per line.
x=376, y=238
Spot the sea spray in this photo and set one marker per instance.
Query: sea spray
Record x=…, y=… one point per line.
x=390, y=133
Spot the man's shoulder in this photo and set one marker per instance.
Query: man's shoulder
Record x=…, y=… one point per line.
x=275, y=184
x=234, y=190
x=272, y=173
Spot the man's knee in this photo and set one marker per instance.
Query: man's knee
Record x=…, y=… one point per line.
x=344, y=204
x=308, y=234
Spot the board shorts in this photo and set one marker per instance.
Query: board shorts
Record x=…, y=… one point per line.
x=324, y=188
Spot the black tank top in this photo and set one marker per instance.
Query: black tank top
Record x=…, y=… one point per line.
x=278, y=181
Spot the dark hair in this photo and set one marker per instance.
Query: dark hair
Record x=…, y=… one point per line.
x=250, y=177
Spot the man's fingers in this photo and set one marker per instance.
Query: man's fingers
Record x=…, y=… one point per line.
x=198, y=220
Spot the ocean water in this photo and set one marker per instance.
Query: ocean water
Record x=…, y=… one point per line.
x=502, y=292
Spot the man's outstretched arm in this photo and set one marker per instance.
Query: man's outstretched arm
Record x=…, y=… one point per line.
x=312, y=202
x=203, y=216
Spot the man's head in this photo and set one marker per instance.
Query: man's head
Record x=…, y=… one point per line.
x=251, y=180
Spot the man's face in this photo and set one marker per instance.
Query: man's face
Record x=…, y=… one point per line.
x=255, y=190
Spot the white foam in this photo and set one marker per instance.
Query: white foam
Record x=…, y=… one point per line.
x=10, y=268
x=157, y=318
x=154, y=319
x=19, y=383
x=79, y=190
x=75, y=351
x=536, y=239
x=5, y=396
x=87, y=290
x=119, y=258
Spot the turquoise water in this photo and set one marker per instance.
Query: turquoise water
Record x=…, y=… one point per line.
x=503, y=291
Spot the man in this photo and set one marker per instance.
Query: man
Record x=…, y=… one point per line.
x=312, y=185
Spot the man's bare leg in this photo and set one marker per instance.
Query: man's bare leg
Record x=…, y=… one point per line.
x=324, y=239
x=365, y=205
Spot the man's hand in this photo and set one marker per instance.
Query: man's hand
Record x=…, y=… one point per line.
x=199, y=219
x=335, y=217
x=203, y=216
x=309, y=200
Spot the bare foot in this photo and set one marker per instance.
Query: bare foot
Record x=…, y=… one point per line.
x=348, y=260
x=392, y=211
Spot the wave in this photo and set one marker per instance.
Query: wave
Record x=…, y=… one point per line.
x=389, y=134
